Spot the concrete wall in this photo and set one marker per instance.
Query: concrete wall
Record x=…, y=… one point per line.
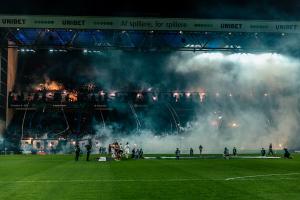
x=2, y=96
x=12, y=65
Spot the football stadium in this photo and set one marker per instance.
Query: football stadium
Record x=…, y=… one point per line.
x=149, y=107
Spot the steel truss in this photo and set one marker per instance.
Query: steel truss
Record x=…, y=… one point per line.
x=74, y=39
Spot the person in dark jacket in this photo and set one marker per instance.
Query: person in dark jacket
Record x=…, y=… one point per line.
x=133, y=153
x=234, y=151
x=286, y=153
x=88, y=151
x=177, y=153
x=226, y=153
x=191, y=152
x=200, y=149
x=141, y=153
x=270, y=150
x=77, y=152
x=263, y=152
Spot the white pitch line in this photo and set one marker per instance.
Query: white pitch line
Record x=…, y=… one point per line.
x=263, y=175
x=108, y=180
x=244, y=178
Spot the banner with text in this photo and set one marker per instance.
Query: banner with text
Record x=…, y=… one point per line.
x=155, y=24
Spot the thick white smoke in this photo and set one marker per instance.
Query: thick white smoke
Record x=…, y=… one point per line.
x=241, y=75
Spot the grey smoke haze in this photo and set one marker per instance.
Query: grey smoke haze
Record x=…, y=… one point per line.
x=256, y=92
x=242, y=75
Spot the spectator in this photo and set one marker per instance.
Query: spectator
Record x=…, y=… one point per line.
x=286, y=153
x=200, y=149
x=177, y=153
x=77, y=152
x=88, y=151
x=234, y=151
x=263, y=152
x=226, y=153
x=270, y=150
x=191, y=152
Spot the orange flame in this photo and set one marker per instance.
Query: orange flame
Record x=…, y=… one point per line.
x=50, y=85
x=53, y=85
x=73, y=96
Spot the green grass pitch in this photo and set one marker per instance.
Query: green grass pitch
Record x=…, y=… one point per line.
x=37, y=177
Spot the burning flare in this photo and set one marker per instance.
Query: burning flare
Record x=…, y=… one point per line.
x=49, y=85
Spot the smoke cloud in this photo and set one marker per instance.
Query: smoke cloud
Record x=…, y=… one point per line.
x=251, y=99
x=258, y=102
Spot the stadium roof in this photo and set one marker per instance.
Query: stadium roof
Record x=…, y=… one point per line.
x=202, y=38
x=206, y=9
x=145, y=34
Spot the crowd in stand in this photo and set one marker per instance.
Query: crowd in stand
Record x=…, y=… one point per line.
x=101, y=96
x=56, y=97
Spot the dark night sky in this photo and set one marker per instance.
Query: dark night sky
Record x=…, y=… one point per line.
x=229, y=9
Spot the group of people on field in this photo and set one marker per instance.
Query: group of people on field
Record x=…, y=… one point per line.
x=78, y=150
x=226, y=153
x=119, y=151
x=286, y=153
x=192, y=150
x=177, y=151
x=116, y=150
